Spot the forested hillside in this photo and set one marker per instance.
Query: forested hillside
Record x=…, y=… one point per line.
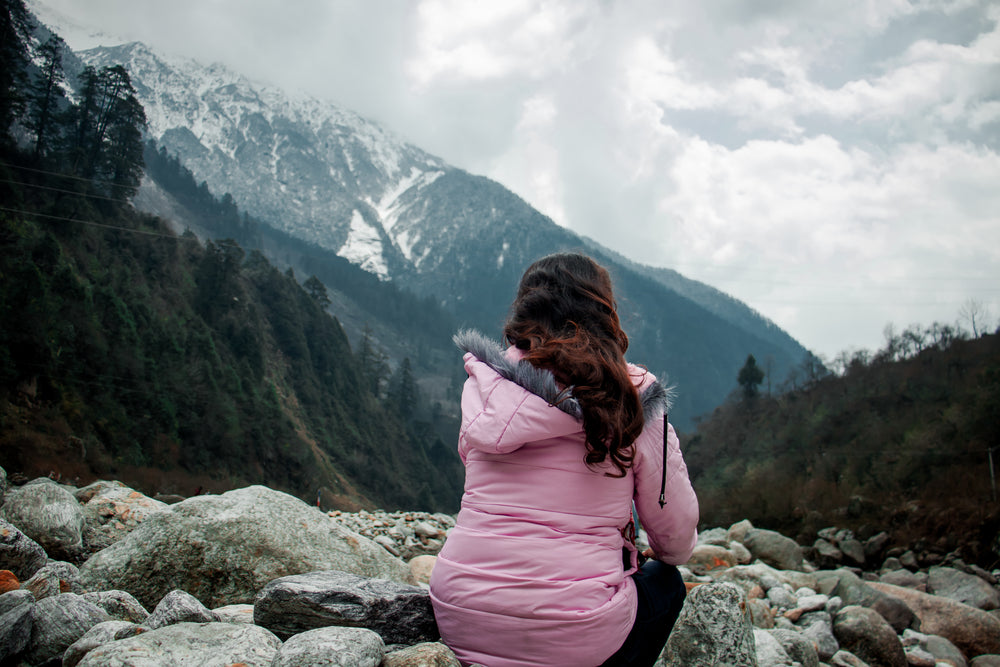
x=900, y=441
x=131, y=352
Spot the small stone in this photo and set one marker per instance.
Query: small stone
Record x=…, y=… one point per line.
x=356, y=647
x=179, y=607
x=119, y=605
x=421, y=568
x=426, y=654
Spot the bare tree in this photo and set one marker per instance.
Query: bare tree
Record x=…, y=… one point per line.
x=975, y=313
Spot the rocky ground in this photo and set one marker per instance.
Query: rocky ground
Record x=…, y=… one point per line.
x=106, y=575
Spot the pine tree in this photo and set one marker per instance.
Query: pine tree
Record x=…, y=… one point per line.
x=317, y=290
x=750, y=377
x=15, y=40
x=109, y=120
x=46, y=94
x=374, y=363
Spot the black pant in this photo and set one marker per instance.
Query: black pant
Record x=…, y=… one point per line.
x=661, y=595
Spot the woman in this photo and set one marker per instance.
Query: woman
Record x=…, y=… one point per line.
x=559, y=437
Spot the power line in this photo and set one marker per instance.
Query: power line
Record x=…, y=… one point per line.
x=62, y=175
x=96, y=224
x=68, y=192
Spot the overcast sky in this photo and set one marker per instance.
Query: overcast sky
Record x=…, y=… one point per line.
x=833, y=164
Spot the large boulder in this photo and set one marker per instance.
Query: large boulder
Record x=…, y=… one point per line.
x=400, y=613
x=48, y=514
x=59, y=621
x=850, y=588
x=962, y=587
x=224, y=549
x=19, y=553
x=202, y=644
x=774, y=549
x=712, y=629
x=867, y=635
x=972, y=630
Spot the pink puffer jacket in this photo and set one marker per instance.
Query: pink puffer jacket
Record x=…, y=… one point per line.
x=532, y=573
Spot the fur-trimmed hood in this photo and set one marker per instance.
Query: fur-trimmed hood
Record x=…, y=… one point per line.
x=656, y=398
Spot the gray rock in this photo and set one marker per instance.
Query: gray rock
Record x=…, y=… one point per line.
x=715, y=536
x=425, y=654
x=813, y=602
x=57, y=622
x=875, y=545
x=738, y=531
x=99, y=635
x=847, y=659
x=798, y=647
x=853, y=591
x=19, y=553
x=826, y=554
x=817, y=627
x=224, y=549
x=235, y=613
x=761, y=614
x=760, y=574
x=854, y=552
x=119, y=605
x=991, y=660
x=867, y=635
x=973, y=631
x=711, y=630
x=3, y=484
x=770, y=652
x=903, y=577
x=334, y=646
x=961, y=587
x=918, y=657
x=201, y=644
x=49, y=515
x=774, y=549
x=15, y=632
x=179, y=607
x=781, y=597
x=944, y=651
x=55, y=578
x=400, y=613
x=13, y=599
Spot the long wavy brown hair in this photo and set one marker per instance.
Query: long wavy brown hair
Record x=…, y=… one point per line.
x=565, y=319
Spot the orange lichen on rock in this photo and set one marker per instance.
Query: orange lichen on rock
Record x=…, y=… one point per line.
x=8, y=582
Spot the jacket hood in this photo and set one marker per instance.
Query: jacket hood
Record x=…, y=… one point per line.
x=656, y=399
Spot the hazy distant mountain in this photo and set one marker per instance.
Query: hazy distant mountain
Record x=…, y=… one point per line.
x=328, y=176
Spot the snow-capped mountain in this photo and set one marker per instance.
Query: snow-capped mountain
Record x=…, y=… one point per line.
x=330, y=177
x=319, y=172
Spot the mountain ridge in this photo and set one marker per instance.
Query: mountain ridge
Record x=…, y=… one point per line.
x=334, y=179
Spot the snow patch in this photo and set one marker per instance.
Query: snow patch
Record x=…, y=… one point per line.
x=503, y=251
x=364, y=247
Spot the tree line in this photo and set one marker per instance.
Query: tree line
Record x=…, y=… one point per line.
x=97, y=134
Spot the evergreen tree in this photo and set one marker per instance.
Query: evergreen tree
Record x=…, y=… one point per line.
x=317, y=290
x=750, y=377
x=374, y=363
x=109, y=121
x=45, y=95
x=15, y=34
x=403, y=393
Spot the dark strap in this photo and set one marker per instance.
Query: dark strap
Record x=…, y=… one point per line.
x=663, y=479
